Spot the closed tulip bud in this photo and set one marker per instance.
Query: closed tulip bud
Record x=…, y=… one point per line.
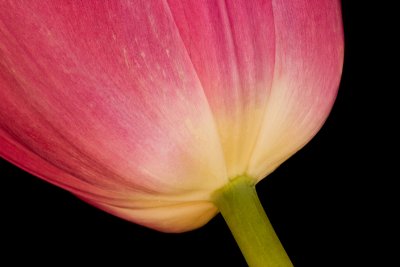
x=155, y=110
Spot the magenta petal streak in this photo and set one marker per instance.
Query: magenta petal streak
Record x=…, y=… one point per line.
x=145, y=108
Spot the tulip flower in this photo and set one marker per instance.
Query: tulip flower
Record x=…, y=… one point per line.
x=166, y=112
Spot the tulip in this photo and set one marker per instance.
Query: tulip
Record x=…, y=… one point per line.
x=166, y=112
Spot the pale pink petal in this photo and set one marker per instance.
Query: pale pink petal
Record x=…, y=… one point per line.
x=168, y=217
x=232, y=47
x=308, y=65
x=101, y=98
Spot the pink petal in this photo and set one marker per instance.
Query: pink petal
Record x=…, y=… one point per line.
x=308, y=65
x=145, y=108
x=101, y=98
x=232, y=47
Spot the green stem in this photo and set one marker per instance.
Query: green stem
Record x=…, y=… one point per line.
x=239, y=205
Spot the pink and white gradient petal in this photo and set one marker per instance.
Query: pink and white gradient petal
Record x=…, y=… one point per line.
x=232, y=47
x=145, y=108
x=101, y=98
x=308, y=66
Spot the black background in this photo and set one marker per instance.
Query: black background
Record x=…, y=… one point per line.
x=317, y=200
